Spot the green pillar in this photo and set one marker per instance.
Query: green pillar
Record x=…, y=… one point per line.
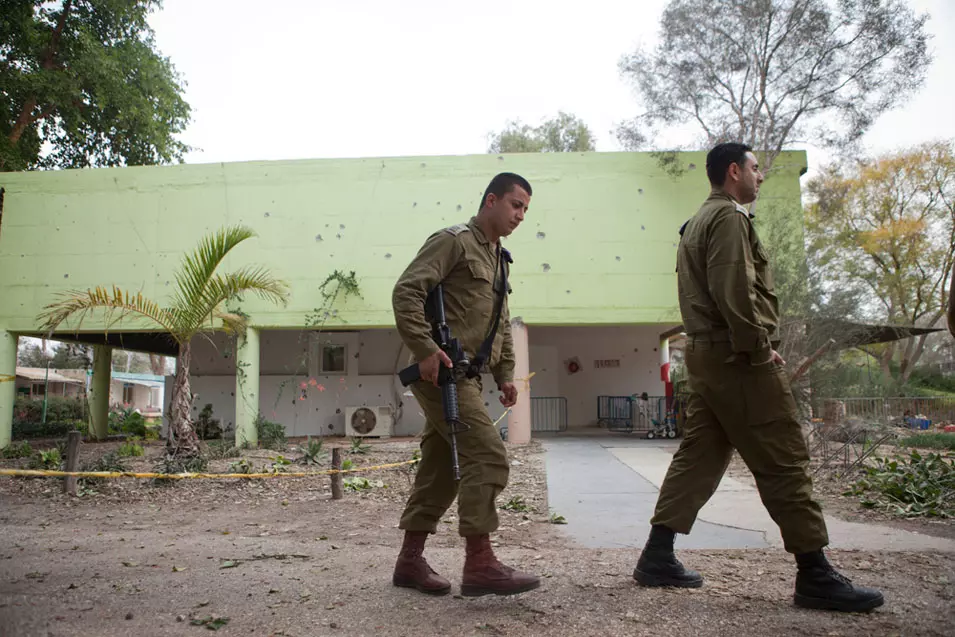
x=99, y=391
x=247, y=388
x=8, y=385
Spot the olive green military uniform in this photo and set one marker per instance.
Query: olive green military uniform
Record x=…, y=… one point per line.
x=466, y=262
x=739, y=398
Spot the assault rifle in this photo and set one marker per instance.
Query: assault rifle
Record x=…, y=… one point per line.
x=447, y=377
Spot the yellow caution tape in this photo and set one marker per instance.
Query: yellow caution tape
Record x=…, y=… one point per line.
x=506, y=411
x=37, y=473
x=6, y=378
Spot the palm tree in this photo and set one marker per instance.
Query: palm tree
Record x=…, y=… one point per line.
x=196, y=307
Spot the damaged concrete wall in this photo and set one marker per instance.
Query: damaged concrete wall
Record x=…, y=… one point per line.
x=605, y=217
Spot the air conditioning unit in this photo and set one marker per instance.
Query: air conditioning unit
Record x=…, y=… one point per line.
x=369, y=422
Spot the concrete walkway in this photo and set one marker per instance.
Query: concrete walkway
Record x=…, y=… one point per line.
x=606, y=488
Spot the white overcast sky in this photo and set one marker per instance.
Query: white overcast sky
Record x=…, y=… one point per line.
x=292, y=79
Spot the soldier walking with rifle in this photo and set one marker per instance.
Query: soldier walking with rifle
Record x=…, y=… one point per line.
x=451, y=311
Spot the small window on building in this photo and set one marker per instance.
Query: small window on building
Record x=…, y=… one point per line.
x=127, y=394
x=333, y=358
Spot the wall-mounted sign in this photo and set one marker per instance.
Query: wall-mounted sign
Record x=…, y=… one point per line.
x=608, y=362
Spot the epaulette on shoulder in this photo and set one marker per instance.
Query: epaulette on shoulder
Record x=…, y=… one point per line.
x=458, y=229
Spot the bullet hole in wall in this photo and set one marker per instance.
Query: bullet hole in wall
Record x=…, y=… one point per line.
x=640, y=190
x=341, y=226
x=387, y=255
x=541, y=235
x=643, y=227
x=618, y=258
x=545, y=267
x=338, y=411
x=423, y=164
x=459, y=208
x=268, y=214
x=66, y=276
x=692, y=166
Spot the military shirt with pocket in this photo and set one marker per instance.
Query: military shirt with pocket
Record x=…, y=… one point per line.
x=724, y=278
x=467, y=263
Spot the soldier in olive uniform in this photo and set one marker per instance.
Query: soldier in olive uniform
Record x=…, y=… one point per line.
x=740, y=396
x=470, y=261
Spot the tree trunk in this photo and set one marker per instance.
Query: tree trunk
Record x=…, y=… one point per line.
x=180, y=408
x=951, y=304
x=884, y=361
x=158, y=364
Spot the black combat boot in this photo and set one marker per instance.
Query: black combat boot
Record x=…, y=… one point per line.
x=820, y=586
x=658, y=565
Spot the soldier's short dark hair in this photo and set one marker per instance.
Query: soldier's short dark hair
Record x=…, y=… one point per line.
x=503, y=184
x=718, y=160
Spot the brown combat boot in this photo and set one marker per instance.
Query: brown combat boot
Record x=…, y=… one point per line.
x=484, y=575
x=413, y=571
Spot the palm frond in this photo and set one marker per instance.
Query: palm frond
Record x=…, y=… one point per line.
x=116, y=305
x=200, y=266
x=223, y=287
x=231, y=323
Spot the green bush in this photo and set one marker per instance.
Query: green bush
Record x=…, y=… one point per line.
x=932, y=379
x=271, y=434
x=18, y=450
x=207, y=427
x=134, y=424
x=938, y=440
x=130, y=449
x=48, y=430
x=128, y=421
x=50, y=459
x=62, y=416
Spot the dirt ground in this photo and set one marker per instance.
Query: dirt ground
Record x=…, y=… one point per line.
x=280, y=557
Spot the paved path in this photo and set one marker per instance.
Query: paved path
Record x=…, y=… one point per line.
x=606, y=488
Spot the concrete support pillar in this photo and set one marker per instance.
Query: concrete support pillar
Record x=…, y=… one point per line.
x=519, y=420
x=8, y=385
x=99, y=391
x=247, y=388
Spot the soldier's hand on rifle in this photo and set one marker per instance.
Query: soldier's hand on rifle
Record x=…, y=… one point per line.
x=508, y=394
x=429, y=367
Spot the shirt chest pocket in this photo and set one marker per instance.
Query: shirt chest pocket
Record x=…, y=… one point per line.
x=480, y=272
x=481, y=281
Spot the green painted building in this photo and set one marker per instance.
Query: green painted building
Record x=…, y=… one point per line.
x=593, y=271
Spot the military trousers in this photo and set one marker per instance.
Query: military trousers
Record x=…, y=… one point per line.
x=735, y=405
x=482, y=459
